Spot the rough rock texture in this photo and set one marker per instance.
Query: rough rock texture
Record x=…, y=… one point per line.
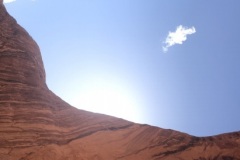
x=35, y=124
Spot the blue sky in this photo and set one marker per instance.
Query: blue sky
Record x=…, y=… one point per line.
x=107, y=56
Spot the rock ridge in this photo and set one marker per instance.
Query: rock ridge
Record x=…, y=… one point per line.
x=35, y=124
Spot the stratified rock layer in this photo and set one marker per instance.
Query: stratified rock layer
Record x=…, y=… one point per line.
x=35, y=124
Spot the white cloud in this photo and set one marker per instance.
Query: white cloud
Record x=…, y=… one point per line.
x=8, y=1
x=177, y=37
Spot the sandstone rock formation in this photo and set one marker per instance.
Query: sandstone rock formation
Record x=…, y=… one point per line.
x=35, y=124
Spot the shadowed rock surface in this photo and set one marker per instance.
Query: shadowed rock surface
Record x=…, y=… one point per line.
x=35, y=124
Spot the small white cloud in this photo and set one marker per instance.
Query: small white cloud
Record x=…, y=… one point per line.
x=8, y=1
x=177, y=37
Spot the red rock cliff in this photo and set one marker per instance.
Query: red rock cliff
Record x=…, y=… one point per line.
x=35, y=124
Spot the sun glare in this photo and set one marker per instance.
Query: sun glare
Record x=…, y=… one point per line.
x=108, y=98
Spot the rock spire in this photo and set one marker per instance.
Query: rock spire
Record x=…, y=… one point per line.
x=20, y=58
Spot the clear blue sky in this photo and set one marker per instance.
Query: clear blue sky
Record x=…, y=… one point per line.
x=107, y=56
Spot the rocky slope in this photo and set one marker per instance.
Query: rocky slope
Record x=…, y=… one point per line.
x=35, y=124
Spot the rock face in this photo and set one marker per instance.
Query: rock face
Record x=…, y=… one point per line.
x=35, y=124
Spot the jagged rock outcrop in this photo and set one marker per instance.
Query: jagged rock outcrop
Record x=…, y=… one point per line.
x=35, y=124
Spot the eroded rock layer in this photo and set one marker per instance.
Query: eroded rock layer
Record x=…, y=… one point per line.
x=35, y=124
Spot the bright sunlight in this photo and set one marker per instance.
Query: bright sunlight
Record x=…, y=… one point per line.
x=109, y=98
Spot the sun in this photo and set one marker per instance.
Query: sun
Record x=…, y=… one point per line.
x=109, y=97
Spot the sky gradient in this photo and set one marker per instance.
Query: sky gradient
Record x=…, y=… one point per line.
x=168, y=63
